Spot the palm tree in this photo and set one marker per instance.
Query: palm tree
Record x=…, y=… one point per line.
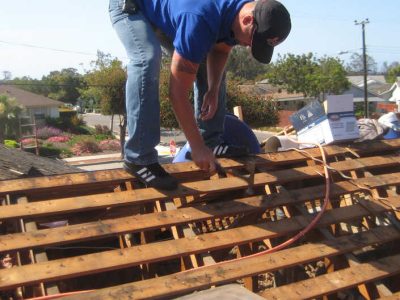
x=9, y=112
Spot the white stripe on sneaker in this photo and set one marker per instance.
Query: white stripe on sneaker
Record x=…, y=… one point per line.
x=150, y=178
x=216, y=150
x=225, y=149
x=146, y=174
x=220, y=150
x=142, y=170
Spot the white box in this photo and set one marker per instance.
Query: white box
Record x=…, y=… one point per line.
x=335, y=123
x=341, y=122
x=308, y=124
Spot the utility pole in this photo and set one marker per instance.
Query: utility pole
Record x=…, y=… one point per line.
x=366, y=107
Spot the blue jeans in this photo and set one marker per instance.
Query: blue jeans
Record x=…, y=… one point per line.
x=142, y=88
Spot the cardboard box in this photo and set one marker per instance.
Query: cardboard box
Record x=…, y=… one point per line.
x=335, y=123
x=342, y=123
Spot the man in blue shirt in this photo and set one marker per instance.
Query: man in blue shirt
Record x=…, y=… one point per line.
x=200, y=35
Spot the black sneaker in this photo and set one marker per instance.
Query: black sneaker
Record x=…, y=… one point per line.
x=226, y=150
x=152, y=176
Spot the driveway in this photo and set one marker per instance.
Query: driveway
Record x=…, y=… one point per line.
x=92, y=119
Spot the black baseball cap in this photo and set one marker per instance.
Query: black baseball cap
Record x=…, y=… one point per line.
x=272, y=26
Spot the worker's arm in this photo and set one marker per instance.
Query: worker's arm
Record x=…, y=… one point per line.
x=183, y=73
x=216, y=61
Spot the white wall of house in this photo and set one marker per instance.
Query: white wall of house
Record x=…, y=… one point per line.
x=51, y=112
x=396, y=94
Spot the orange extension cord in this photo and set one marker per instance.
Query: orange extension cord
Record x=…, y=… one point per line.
x=271, y=250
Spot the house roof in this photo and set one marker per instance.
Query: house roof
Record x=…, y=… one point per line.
x=28, y=99
x=15, y=163
x=359, y=79
x=269, y=90
x=382, y=90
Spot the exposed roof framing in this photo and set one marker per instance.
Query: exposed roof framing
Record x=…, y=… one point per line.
x=104, y=234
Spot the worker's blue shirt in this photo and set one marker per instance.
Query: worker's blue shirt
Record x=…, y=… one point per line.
x=193, y=26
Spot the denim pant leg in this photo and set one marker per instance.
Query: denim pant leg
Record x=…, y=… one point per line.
x=142, y=87
x=213, y=129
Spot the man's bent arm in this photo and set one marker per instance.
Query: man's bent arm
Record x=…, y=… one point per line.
x=216, y=61
x=183, y=74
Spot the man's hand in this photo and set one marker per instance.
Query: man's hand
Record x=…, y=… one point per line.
x=209, y=106
x=204, y=158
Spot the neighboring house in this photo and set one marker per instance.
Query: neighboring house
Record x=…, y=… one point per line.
x=284, y=99
x=395, y=94
x=380, y=93
x=36, y=105
x=395, y=90
x=359, y=79
x=358, y=96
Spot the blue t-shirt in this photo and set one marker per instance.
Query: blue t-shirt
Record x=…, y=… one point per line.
x=193, y=26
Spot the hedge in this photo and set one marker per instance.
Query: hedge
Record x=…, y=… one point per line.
x=257, y=112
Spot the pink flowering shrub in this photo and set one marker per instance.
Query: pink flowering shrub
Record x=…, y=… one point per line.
x=28, y=141
x=112, y=145
x=58, y=139
x=86, y=146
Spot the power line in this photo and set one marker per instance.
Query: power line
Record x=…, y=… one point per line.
x=47, y=48
x=59, y=85
x=388, y=47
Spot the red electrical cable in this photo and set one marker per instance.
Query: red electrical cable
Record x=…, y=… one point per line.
x=271, y=250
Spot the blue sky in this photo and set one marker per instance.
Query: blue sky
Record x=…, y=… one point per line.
x=40, y=36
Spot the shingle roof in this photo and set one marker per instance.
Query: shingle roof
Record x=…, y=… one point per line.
x=380, y=88
x=359, y=79
x=28, y=99
x=15, y=163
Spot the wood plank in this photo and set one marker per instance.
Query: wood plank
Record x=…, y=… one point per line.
x=81, y=203
x=337, y=281
x=365, y=148
x=21, y=186
x=138, y=223
x=205, y=214
x=395, y=296
x=117, y=176
x=205, y=277
x=141, y=196
x=150, y=253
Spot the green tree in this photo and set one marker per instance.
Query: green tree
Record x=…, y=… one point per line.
x=63, y=85
x=386, y=66
x=332, y=76
x=167, y=115
x=106, y=83
x=29, y=84
x=241, y=65
x=9, y=112
x=393, y=73
x=356, y=64
x=308, y=75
